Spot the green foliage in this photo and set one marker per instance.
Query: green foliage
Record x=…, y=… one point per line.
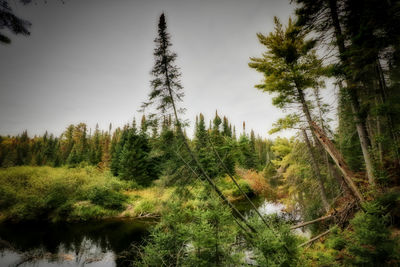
x=336, y=240
x=370, y=243
x=288, y=122
x=212, y=236
x=199, y=235
x=168, y=238
x=321, y=254
x=290, y=64
x=107, y=198
x=244, y=185
x=367, y=241
x=275, y=245
x=146, y=206
x=247, y=156
x=131, y=159
x=167, y=90
x=214, y=140
x=45, y=193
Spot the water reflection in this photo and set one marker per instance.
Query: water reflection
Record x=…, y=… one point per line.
x=293, y=217
x=79, y=244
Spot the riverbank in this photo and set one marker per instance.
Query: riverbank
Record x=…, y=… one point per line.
x=88, y=193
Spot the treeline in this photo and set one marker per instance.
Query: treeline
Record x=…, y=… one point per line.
x=140, y=153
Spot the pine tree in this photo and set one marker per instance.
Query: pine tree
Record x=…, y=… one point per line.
x=202, y=148
x=246, y=155
x=166, y=86
x=135, y=163
x=353, y=25
x=226, y=127
x=95, y=153
x=290, y=67
x=11, y=22
x=117, y=144
x=166, y=93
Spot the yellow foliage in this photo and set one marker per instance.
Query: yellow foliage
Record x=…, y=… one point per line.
x=258, y=183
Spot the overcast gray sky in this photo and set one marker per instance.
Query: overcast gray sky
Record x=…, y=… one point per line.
x=90, y=61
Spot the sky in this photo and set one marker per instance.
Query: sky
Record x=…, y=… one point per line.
x=89, y=61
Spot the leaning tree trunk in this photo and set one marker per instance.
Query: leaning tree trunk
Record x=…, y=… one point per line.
x=340, y=163
x=314, y=160
x=389, y=116
x=333, y=173
x=316, y=171
x=352, y=91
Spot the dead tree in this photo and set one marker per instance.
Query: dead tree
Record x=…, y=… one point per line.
x=339, y=160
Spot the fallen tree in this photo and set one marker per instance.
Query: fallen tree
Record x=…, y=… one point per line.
x=339, y=160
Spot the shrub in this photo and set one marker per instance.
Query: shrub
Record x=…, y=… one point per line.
x=370, y=242
x=258, y=184
x=275, y=245
x=199, y=236
x=107, y=198
x=244, y=185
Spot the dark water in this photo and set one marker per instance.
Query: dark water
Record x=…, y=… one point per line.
x=73, y=244
x=96, y=244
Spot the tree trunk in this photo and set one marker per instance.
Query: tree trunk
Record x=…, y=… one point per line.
x=314, y=160
x=379, y=133
x=364, y=142
x=352, y=91
x=333, y=174
x=316, y=171
x=337, y=157
x=203, y=173
x=383, y=95
x=311, y=222
x=339, y=178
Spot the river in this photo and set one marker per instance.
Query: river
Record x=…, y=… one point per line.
x=95, y=244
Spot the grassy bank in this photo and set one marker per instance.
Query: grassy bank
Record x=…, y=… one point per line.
x=72, y=194
x=45, y=193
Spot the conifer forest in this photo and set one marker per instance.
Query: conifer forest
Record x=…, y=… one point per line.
x=319, y=187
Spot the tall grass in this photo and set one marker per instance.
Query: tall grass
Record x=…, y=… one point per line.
x=45, y=193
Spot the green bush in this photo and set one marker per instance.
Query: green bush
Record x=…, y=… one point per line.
x=245, y=188
x=203, y=235
x=336, y=240
x=275, y=245
x=107, y=198
x=370, y=243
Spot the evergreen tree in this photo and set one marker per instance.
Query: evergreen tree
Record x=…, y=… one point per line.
x=166, y=86
x=226, y=128
x=291, y=67
x=202, y=148
x=12, y=23
x=246, y=155
x=135, y=163
x=95, y=153
x=118, y=142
